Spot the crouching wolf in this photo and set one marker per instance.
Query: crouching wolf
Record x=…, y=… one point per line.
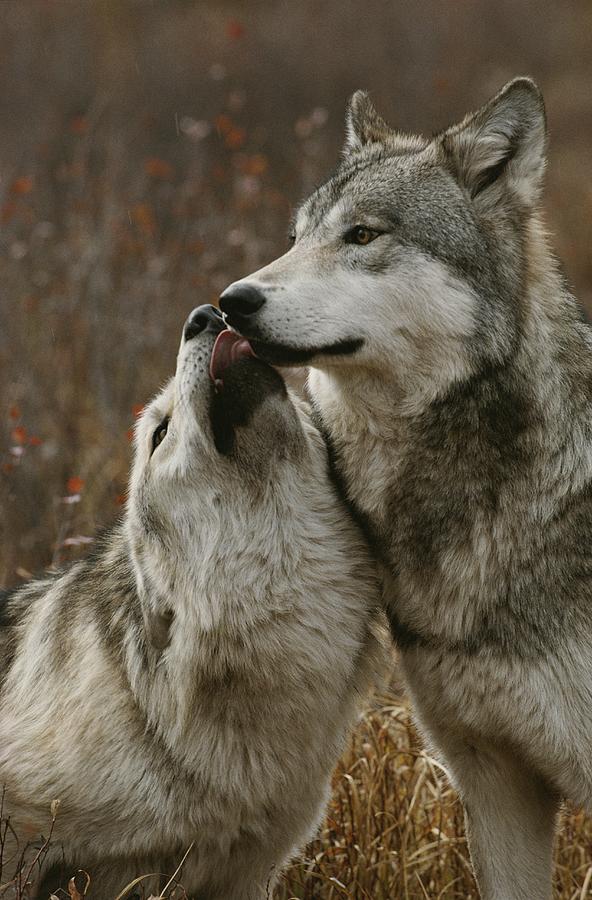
x=191, y=684
x=452, y=373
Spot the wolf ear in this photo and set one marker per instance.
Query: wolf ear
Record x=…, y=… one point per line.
x=502, y=143
x=363, y=124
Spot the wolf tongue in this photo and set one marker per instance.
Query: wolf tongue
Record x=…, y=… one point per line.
x=229, y=348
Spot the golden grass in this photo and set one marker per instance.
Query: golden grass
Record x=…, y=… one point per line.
x=395, y=826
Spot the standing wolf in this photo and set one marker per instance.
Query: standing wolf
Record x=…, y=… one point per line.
x=452, y=372
x=192, y=683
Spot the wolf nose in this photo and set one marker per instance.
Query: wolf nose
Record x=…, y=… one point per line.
x=241, y=300
x=205, y=317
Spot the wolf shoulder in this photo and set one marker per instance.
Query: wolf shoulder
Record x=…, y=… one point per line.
x=16, y=606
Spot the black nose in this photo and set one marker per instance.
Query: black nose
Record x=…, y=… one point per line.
x=241, y=300
x=203, y=318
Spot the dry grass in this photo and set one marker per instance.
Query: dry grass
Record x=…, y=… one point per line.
x=394, y=827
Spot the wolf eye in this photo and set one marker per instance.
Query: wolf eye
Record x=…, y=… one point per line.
x=292, y=237
x=361, y=235
x=160, y=433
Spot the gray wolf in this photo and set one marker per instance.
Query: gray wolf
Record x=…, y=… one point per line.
x=451, y=370
x=191, y=683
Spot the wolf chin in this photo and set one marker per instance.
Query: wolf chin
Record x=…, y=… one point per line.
x=192, y=683
x=451, y=370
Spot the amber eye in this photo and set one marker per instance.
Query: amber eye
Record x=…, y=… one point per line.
x=160, y=433
x=361, y=235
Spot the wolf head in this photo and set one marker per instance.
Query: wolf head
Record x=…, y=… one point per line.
x=412, y=257
x=217, y=413
x=213, y=452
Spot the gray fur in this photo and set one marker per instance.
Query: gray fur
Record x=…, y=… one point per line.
x=193, y=681
x=462, y=432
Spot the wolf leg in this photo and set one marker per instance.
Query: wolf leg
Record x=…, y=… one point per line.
x=510, y=818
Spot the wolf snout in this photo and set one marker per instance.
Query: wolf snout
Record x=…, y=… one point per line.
x=204, y=318
x=240, y=301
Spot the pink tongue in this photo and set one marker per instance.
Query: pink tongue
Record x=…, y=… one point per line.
x=229, y=348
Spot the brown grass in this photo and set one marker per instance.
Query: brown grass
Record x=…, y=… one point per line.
x=394, y=828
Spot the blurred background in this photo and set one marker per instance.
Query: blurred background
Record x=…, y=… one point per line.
x=152, y=152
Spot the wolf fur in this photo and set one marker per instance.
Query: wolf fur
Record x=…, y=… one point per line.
x=191, y=684
x=452, y=372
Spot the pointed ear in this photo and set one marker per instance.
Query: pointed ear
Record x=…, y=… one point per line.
x=503, y=144
x=363, y=124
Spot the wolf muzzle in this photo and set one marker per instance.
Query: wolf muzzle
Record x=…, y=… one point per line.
x=204, y=318
x=240, y=302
